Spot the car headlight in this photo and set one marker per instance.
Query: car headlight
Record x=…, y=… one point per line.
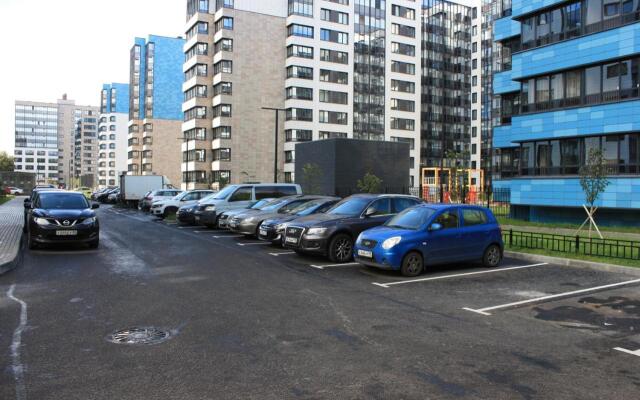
x=316, y=231
x=389, y=243
x=41, y=221
x=280, y=227
x=89, y=221
x=210, y=208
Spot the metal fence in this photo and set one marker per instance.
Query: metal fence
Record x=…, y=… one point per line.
x=498, y=200
x=608, y=248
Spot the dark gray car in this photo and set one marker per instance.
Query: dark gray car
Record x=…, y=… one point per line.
x=249, y=223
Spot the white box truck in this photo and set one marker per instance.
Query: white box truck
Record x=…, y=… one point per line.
x=134, y=187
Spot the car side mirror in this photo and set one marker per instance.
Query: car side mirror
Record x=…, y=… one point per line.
x=94, y=206
x=435, y=227
x=370, y=211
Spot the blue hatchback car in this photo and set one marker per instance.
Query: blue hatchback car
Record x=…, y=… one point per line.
x=430, y=234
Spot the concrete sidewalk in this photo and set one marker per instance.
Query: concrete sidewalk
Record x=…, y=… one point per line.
x=11, y=223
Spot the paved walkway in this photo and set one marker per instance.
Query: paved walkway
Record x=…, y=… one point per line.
x=572, y=232
x=11, y=221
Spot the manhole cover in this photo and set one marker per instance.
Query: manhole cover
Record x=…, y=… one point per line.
x=140, y=335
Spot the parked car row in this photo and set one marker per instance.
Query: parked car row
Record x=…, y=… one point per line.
x=394, y=232
x=107, y=195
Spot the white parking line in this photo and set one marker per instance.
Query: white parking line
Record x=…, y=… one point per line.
x=484, y=311
x=284, y=253
x=435, y=278
x=201, y=231
x=634, y=353
x=253, y=244
x=188, y=227
x=226, y=236
x=333, y=265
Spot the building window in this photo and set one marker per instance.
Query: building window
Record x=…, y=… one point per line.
x=222, y=154
x=299, y=114
x=403, y=86
x=301, y=7
x=224, y=3
x=199, y=112
x=296, y=50
x=196, y=70
x=222, y=88
x=198, y=49
x=199, y=28
x=223, y=66
x=224, y=44
x=221, y=176
x=289, y=156
x=334, y=56
x=403, y=68
x=298, y=135
x=410, y=141
x=222, y=132
x=403, y=30
x=329, y=35
x=402, y=124
x=300, y=30
x=300, y=93
x=333, y=117
x=331, y=135
x=403, y=12
x=222, y=110
x=329, y=96
x=288, y=176
x=196, y=91
x=403, y=48
x=334, y=76
x=196, y=134
x=296, y=71
x=403, y=105
x=224, y=23
x=334, y=16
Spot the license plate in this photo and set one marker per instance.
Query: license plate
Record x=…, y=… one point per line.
x=365, y=253
x=291, y=240
x=197, y=219
x=66, y=233
x=263, y=232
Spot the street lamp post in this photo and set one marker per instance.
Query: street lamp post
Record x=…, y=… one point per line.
x=275, y=153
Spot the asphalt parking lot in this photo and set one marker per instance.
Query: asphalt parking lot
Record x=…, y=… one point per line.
x=249, y=320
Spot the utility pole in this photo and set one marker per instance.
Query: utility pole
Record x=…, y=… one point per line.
x=275, y=152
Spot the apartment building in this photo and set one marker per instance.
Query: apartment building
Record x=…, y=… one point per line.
x=323, y=64
x=155, y=107
x=56, y=141
x=112, y=133
x=569, y=82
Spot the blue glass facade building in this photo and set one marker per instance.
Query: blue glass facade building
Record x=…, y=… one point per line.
x=569, y=81
x=114, y=98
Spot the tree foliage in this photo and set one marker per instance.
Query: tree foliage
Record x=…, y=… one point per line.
x=369, y=183
x=593, y=176
x=6, y=162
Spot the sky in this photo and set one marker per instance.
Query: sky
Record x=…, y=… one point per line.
x=51, y=47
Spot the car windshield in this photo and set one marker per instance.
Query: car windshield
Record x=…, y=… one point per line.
x=224, y=193
x=63, y=201
x=411, y=218
x=260, y=204
x=180, y=195
x=275, y=204
x=353, y=206
x=306, y=208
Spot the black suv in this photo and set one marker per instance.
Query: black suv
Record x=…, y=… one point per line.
x=334, y=232
x=61, y=217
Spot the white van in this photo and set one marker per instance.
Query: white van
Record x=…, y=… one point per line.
x=233, y=197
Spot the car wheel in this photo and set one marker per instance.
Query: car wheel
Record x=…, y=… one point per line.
x=168, y=211
x=341, y=248
x=492, y=256
x=94, y=244
x=412, y=265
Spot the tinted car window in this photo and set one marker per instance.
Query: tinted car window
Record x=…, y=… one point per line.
x=264, y=192
x=448, y=219
x=353, y=206
x=287, y=190
x=382, y=206
x=291, y=206
x=242, y=194
x=62, y=201
x=412, y=218
x=402, y=203
x=474, y=217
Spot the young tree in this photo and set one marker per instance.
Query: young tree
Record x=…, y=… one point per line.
x=369, y=183
x=312, y=178
x=593, y=180
x=6, y=162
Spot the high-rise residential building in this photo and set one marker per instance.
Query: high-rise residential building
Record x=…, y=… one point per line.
x=568, y=83
x=333, y=68
x=155, y=107
x=112, y=133
x=57, y=142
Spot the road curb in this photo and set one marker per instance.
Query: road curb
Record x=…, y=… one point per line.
x=569, y=262
x=15, y=260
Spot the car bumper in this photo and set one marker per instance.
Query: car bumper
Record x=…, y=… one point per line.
x=207, y=218
x=269, y=235
x=308, y=245
x=389, y=260
x=246, y=228
x=49, y=236
x=157, y=211
x=186, y=218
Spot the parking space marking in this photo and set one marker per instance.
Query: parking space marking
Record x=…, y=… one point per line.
x=333, y=265
x=435, y=278
x=201, y=231
x=633, y=353
x=188, y=227
x=284, y=253
x=254, y=244
x=226, y=236
x=484, y=311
